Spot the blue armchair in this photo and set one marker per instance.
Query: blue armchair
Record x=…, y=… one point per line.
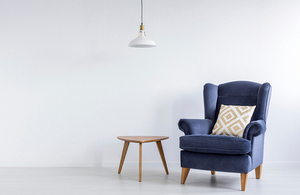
x=201, y=150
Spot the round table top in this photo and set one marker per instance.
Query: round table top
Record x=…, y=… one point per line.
x=142, y=139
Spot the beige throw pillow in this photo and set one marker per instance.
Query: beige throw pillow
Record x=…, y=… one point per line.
x=232, y=120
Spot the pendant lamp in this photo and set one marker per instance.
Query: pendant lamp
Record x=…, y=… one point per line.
x=142, y=41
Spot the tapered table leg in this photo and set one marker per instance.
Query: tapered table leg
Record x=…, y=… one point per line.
x=140, y=163
x=161, y=152
x=125, y=148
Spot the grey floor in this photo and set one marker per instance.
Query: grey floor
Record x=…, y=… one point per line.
x=276, y=179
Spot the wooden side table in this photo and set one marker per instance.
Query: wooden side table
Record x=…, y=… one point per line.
x=140, y=140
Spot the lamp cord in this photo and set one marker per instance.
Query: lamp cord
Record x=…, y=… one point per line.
x=142, y=13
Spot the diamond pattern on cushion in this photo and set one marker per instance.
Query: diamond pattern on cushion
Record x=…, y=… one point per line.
x=232, y=120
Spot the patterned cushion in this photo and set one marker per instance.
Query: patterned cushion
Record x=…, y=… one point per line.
x=232, y=120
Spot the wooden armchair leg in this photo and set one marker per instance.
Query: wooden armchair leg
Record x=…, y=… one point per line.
x=244, y=177
x=184, y=174
x=258, y=171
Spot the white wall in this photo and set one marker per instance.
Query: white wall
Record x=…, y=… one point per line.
x=70, y=85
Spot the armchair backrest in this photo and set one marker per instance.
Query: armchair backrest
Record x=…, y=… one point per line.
x=243, y=93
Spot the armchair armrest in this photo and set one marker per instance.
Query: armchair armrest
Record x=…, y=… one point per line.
x=254, y=128
x=195, y=126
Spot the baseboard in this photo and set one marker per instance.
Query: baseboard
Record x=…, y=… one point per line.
x=172, y=164
x=91, y=164
x=280, y=162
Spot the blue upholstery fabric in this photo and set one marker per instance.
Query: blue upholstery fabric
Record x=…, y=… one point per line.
x=210, y=96
x=200, y=150
x=216, y=144
x=263, y=101
x=237, y=93
x=257, y=150
x=254, y=128
x=195, y=126
x=216, y=162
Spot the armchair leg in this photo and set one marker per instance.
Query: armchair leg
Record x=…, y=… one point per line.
x=258, y=171
x=244, y=177
x=213, y=172
x=184, y=174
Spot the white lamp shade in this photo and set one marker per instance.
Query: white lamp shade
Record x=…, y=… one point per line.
x=142, y=41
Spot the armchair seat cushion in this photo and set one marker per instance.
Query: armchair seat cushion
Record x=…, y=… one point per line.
x=217, y=144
